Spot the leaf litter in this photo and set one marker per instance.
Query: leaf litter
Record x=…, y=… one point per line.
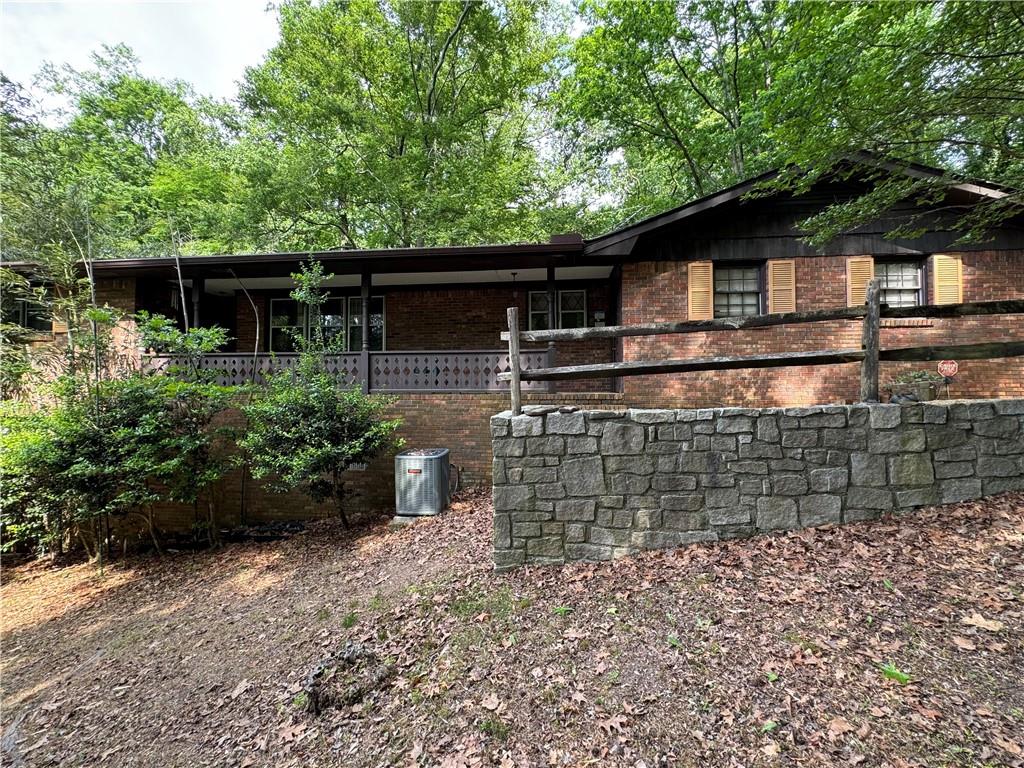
x=380, y=648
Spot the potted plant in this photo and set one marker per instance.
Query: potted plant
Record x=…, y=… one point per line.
x=914, y=386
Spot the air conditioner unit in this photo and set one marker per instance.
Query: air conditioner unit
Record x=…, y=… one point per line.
x=422, y=481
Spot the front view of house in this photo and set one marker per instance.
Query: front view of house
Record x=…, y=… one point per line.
x=424, y=323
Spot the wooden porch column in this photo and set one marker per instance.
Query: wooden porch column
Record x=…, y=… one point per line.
x=364, y=360
x=552, y=321
x=198, y=283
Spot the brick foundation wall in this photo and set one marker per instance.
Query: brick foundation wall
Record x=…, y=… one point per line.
x=656, y=292
x=455, y=421
x=594, y=485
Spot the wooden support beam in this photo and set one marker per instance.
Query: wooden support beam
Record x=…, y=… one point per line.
x=513, y=361
x=365, y=283
x=981, y=351
x=870, y=343
x=646, y=367
x=552, y=319
x=198, y=284
x=967, y=309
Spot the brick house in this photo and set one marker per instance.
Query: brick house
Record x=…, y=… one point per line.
x=434, y=315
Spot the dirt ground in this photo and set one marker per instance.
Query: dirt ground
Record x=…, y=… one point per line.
x=899, y=643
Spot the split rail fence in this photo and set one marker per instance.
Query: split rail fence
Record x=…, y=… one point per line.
x=868, y=355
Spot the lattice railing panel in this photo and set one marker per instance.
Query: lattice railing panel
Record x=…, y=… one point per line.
x=439, y=371
x=446, y=371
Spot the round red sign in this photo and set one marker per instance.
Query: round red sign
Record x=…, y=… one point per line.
x=948, y=368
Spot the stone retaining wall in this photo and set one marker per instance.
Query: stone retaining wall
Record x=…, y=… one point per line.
x=575, y=484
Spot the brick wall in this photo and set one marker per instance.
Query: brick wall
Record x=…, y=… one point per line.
x=594, y=485
x=455, y=421
x=656, y=291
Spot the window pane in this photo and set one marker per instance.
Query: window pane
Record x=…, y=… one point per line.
x=284, y=313
x=538, y=311
x=900, y=282
x=37, y=317
x=737, y=291
x=572, y=306
x=355, y=324
x=285, y=323
x=574, y=320
x=573, y=301
x=282, y=340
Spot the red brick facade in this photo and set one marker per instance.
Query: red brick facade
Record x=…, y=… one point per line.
x=472, y=317
x=656, y=291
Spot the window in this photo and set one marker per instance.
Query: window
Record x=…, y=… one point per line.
x=572, y=310
x=900, y=282
x=288, y=319
x=26, y=314
x=737, y=291
x=355, y=324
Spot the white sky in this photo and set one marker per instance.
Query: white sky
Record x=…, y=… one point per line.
x=207, y=43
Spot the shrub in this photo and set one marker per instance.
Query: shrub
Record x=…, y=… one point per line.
x=131, y=443
x=305, y=430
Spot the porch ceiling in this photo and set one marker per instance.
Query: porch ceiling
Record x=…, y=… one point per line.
x=226, y=286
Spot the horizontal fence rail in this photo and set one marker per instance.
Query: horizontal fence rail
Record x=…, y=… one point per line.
x=414, y=371
x=868, y=355
x=766, y=321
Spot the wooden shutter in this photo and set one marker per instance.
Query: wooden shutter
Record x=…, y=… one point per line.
x=700, y=291
x=859, y=272
x=781, y=285
x=948, y=280
x=58, y=326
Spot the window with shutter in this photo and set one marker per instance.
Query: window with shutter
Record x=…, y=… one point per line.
x=700, y=290
x=781, y=285
x=948, y=281
x=859, y=272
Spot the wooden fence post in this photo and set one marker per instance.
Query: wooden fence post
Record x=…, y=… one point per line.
x=513, y=360
x=870, y=343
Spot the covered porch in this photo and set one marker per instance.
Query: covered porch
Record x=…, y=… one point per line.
x=399, y=327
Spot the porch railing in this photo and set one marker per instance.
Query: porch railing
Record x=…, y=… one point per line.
x=413, y=371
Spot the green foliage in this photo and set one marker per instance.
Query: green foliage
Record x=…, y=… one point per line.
x=383, y=123
x=891, y=672
x=130, y=443
x=110, y=446
x=162, y=335
x=677, y=99
x=305, y=430
x=665, y=96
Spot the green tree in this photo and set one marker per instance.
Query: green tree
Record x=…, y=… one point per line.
x=133, y=166
x=666, y=96
x=305, y=429
x=379, y=123
x=938, y=83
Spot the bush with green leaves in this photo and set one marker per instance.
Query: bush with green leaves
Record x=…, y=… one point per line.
x=305, y=428
x=161, y=335
x=131, y=443
x=112, y=446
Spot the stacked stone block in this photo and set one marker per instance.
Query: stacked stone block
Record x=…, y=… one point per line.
x=594, y=485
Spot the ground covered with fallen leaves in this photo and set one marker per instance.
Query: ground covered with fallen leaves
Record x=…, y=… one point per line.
x=899, y=642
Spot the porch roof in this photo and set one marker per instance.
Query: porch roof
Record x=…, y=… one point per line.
x=563, y=251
